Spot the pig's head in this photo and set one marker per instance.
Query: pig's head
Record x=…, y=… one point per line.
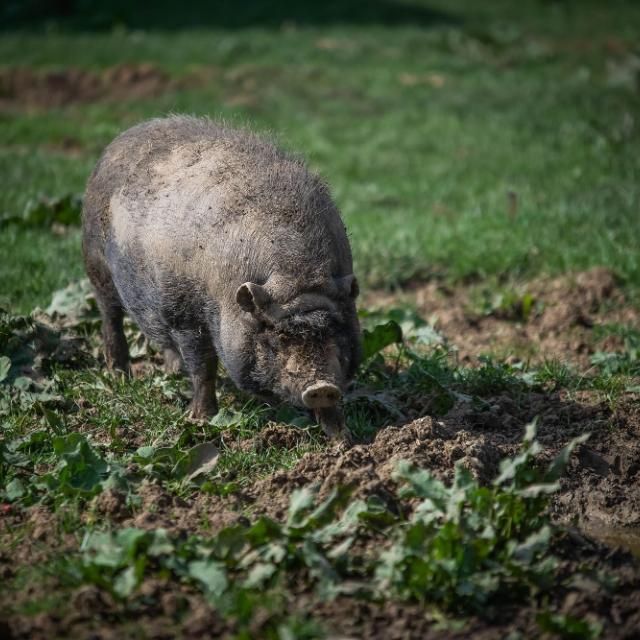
x=306, y=349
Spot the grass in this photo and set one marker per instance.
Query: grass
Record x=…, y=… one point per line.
x=423, y=132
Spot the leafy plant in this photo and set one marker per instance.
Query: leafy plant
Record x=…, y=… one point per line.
x=380, y=337
x=119, y=562
x=76, y=469
x=415, y=329
x=76, y=303
x=80, y=470
x=568, y=627
x=30, y=351
x=466, y=543
x=508, y=304
x=172, y=463
x=462, y=546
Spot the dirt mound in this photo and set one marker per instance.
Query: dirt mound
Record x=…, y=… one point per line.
x=25, y=87
x=549, y=318
x=602, y=483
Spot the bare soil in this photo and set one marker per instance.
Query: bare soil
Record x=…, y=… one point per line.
x=560, y=325
x=598, y=503
x=23, y=87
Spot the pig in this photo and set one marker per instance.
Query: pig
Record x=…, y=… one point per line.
x=219, y=245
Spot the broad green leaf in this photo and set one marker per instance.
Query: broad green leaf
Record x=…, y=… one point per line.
x=559, y=464
x=200, y=460
x=530, y=431
x=126, y=581
x=210, y=574
x=536, y=543
x=425, y=335
x=76, y=300
x=15, y=489
x=421, y=483
x=327, y=508
x=566, y=626
x=380, y=337
x=259, y=574
x=161, y=544
x=130, y=539
x=511, y=468
x=317, y=563
x=300, y=502
x=341, y=549
x=145, y=452
x=262, y=531
x=539, y=489
x=345, y=525
x=80, y=467
x=101, y=549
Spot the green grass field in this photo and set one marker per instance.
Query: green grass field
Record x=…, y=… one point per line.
x=490, y=148
x=423, y=132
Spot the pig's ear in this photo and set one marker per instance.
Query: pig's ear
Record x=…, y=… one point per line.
x=251, y=297
x=348, y=285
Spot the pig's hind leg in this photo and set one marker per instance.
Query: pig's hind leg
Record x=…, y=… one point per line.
x=115, y=343
x=201, y=363
x=116, y=349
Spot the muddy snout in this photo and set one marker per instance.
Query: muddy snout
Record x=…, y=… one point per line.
x=321, y=395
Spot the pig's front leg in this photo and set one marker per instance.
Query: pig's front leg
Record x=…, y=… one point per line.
x=201, y=362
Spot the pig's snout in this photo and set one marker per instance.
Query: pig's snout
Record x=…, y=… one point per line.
x=321, y=395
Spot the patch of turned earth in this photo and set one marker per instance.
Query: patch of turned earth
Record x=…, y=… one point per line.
x=602, y=481
x=23, y=87
x=560, y=325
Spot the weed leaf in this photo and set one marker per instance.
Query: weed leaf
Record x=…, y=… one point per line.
x=381, y=336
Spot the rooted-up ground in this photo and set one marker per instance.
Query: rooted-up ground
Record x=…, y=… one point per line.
x=475, y=418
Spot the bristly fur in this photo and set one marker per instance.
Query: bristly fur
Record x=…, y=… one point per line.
x=311, y=325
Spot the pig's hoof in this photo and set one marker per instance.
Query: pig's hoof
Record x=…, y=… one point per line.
x=120, y=369
x=202, y=411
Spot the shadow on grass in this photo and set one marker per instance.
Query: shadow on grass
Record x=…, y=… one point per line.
x=169, y=15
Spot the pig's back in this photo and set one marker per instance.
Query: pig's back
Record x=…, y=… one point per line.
x=195, y=198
